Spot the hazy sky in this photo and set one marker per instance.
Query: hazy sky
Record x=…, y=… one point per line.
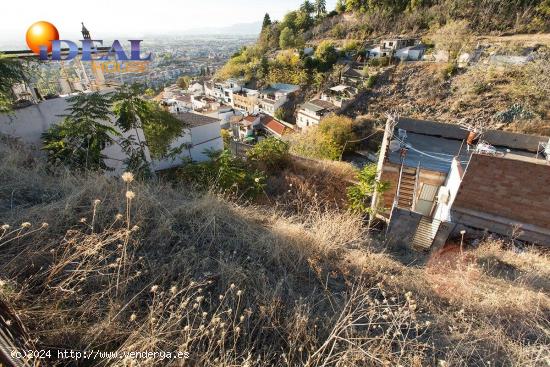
x=106, y=18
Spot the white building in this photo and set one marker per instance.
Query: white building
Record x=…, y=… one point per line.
x=201, y=135
x=203, y=103
x=340, y=96
x=411, y=53
x=311, y=113
x=28, y=123
x=273, y=97
x=245, y=129
x=226, y=115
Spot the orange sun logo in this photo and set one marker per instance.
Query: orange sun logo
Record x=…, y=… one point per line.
x=41, y=34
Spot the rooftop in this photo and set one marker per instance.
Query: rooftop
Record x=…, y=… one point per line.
x=433, y=145
x=281, y=88
x=195, y=120
x=274, y=126
x=318, y=105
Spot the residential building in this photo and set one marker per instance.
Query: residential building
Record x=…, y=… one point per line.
x=202, y=134
x=274, y=127
x=28, y=123
x=225, y=114
x=312, y=112
x=352, y=77
x=204, y=104
x=273, y=97
x=388, y=47
x=445, y=179
x=245, y=129
x=411, y=53
x=341, y=95
x=246, y=101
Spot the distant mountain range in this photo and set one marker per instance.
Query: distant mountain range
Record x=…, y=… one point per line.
x=238, y=29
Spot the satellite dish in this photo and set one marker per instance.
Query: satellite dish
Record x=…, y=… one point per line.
x=395, y=145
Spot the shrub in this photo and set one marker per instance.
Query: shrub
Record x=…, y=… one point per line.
x=329, y=140
x=338, y=129
x=371, y=81
x=269, y=154
x=360, y=194
x=224, y=173
x=448, y=70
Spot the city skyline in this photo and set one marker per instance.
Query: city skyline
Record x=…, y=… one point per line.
x=107, y=19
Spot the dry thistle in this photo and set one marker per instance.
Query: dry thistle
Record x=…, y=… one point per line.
x=154, y=288
x=26, y=225
x=5, y=227
x=45, y=225
x=133, y=317
x=119, y=216
x=127, y=177
x=130, y=195
x=174, y=289
x=97, y=202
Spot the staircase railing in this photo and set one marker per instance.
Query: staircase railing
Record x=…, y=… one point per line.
x=416, y=182
x=398, y=193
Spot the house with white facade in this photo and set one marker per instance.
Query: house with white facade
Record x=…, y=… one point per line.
x=245, y=128
x=311, y=113
x=27, y=124
x=201, y=135
x=226, y=114
x=411, y=53
x=389, y=47
x=274, y=96
x=177, y=104
x=204, y=103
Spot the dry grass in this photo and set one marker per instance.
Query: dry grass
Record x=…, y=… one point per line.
x=240, y=285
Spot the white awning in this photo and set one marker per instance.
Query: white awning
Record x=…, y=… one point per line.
x=339, y=88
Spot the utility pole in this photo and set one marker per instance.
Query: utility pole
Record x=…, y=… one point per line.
x=391, y=122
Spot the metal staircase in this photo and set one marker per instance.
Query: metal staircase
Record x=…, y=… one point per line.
x=407, y=188
x=425, y=234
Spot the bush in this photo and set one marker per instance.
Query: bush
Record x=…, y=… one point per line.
x=360, y=194
x=449, y=70
x=329, y=140
x=269, y=154
x=224, y=173
x=371, y=81
x=338, y=129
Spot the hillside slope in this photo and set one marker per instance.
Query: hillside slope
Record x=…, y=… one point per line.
x=128, y=266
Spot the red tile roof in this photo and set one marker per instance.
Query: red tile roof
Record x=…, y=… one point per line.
x=274, y=126
x=251, y=118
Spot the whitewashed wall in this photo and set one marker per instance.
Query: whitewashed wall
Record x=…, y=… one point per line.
x=28, y=124
x=454, y=179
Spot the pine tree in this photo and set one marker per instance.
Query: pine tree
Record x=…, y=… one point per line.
x=267, y=21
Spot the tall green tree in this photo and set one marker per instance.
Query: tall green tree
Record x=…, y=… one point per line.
x=320, y=8
x=307, y=7
x=286, y=39
x=133, y=113
x=78, y=141
x=267, y=21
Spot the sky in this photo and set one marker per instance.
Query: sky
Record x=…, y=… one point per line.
x=119, y=18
